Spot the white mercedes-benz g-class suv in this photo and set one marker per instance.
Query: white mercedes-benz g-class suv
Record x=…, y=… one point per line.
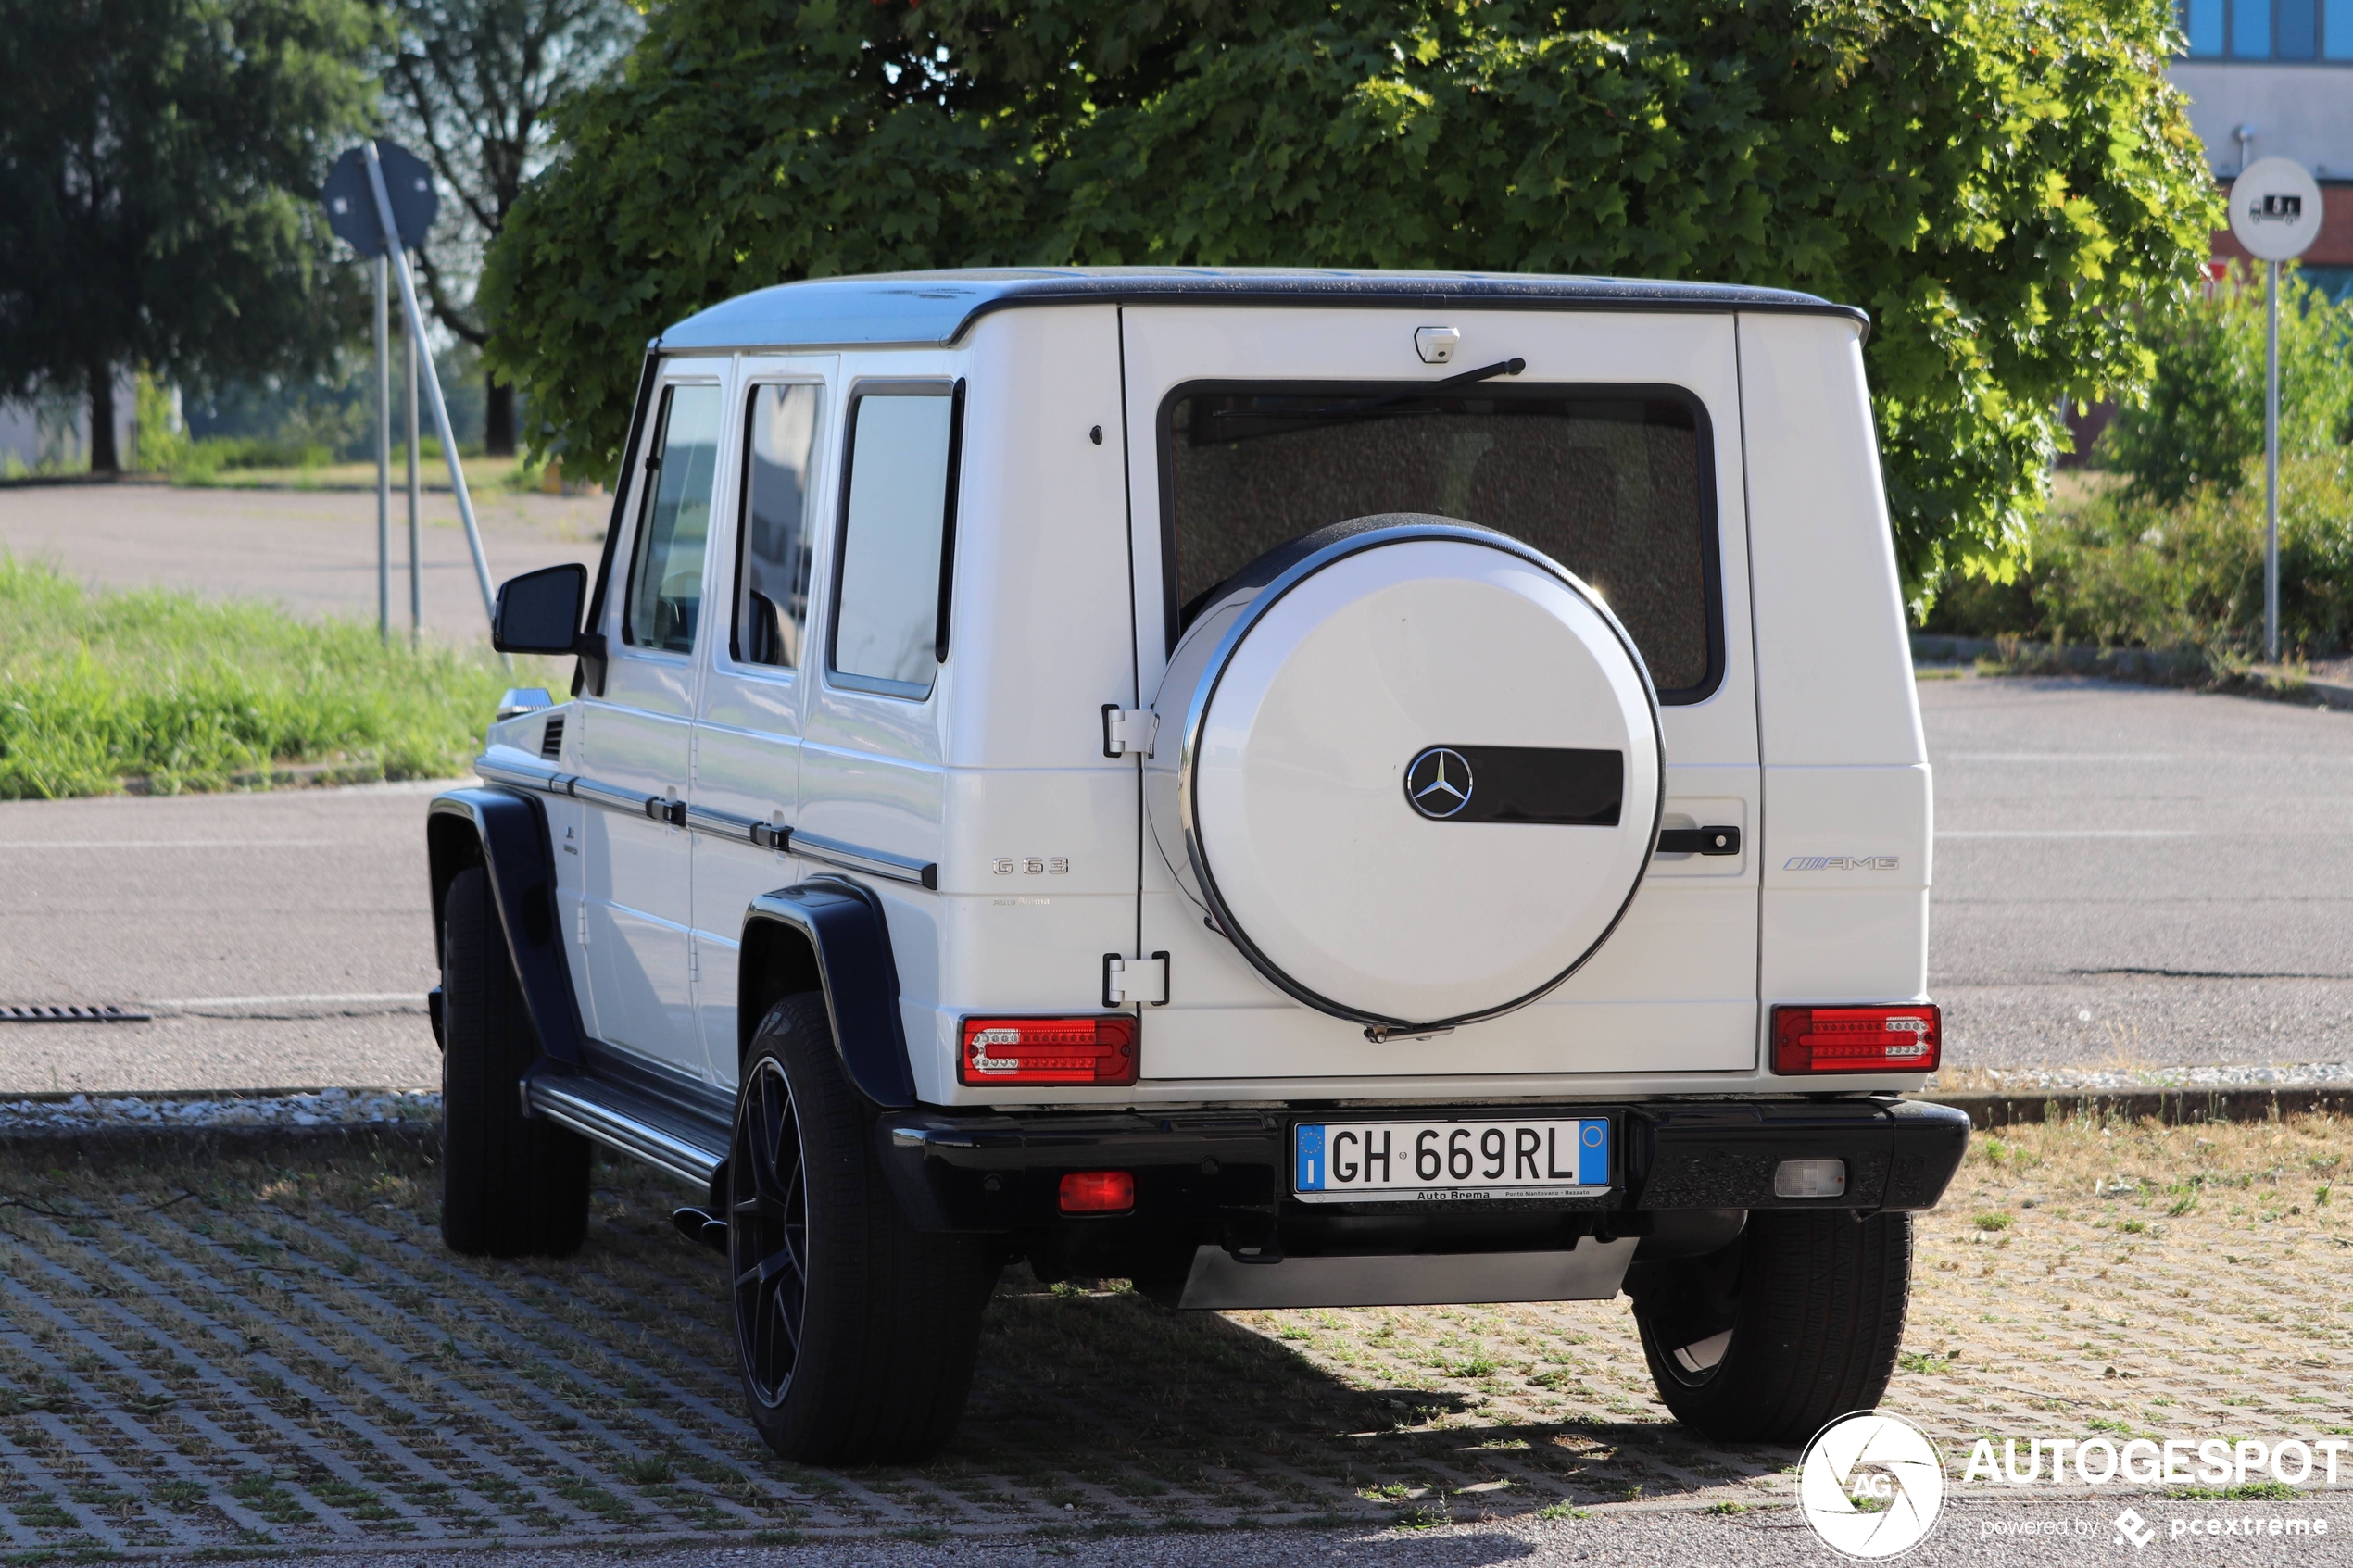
x=1294, y=788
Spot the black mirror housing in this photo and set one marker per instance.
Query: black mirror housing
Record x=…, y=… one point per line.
x=539, y=612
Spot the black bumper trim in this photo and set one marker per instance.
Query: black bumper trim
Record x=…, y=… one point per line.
x=999, y=1172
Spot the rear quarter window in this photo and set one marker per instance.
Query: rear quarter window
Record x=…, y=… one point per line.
x=1613, y=483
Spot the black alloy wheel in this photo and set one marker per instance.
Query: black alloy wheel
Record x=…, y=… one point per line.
x=511, y=1186
x=1795, y=1322
x=768, y=1232
x=855, y=1333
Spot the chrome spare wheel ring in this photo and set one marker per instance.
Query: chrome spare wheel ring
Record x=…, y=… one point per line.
x=768, y=1232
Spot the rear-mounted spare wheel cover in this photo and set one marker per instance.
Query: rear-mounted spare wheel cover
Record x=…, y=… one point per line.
x=1419, y=777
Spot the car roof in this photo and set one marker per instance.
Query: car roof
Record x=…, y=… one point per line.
x=935, y=310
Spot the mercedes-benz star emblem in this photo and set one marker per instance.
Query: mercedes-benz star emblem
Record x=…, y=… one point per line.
x=1437, y=782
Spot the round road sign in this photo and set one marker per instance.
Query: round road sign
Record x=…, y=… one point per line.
x=2275, y=208
x=351, y=201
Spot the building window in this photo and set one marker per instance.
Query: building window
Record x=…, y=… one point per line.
x=2267, y=30
x=2202, y=20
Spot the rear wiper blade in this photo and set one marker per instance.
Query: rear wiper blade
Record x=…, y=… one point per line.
x=1372, y=404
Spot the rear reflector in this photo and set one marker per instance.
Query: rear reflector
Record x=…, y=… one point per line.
x=1899, y=1039
x=1098, y=1192
x=1049, y=1051
x=1809, y=1178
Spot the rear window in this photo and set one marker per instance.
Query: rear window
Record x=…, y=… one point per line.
x=1613, y=483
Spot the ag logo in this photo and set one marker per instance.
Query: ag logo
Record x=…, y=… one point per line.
x=1870, y=1484
x=1437, y=782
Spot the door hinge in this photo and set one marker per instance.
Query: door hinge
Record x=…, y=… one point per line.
x=1134, y=981
x=1129, y=731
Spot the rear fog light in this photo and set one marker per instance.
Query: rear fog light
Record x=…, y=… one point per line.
x=1098, y=1192
x=1882, y=1039
x=1049, y=1051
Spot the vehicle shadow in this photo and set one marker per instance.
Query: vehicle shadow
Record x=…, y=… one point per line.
x=1102, y=1384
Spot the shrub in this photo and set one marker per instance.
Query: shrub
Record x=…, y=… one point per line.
x=2115, y=569
x=2203, y=421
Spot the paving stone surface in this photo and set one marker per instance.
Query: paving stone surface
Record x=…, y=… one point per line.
x=243, y=1355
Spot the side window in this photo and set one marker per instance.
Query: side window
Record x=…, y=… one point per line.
x=771, y=561
x=665, y=569
x=898, y=537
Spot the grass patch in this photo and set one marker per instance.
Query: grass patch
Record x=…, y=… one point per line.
x=2253, y=1491
x=101, y=688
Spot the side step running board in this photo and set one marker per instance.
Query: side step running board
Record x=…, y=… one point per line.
x=630, y=1123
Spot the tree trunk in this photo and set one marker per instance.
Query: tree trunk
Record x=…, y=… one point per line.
x=497, y=418
x=102, y=453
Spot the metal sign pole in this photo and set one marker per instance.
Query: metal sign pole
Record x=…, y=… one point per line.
x=2272, y=469
x=383, y=464
x=2275, y=213
x=410, y=314
x=415, y=595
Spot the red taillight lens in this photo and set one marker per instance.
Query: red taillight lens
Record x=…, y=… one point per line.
x=1098, y=1192
x=1904, y=1040
x=1049, y=1051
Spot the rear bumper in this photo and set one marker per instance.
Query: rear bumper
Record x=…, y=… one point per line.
x=1000, y=1173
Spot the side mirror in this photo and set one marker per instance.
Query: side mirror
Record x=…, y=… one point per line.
x=539, y=612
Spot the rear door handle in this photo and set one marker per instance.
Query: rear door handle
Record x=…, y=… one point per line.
x=1699, y=841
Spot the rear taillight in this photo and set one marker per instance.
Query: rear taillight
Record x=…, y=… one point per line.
x=1098, y=1192
x=1049, y=1051
x=1892, y=1040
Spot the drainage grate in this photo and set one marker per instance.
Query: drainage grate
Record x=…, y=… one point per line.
x=69, y=1012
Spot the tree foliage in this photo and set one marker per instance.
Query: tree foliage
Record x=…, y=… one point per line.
x=470, y=82
x=2203, y=421
x=2003, y=184
x=160, y=163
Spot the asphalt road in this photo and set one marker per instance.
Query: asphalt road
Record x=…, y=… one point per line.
x=314, y=551
x=284, y=940
x=2127, y=876
x=2124, y=876
x=1966, y=1534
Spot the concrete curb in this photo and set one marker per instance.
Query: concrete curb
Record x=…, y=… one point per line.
x=2174, y=1108
x=2164, y=667
x=129, y=1144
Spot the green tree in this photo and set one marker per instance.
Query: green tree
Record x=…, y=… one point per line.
x=2203, y=420
x=2004, y=184
x=159, y=162
x=471, y=83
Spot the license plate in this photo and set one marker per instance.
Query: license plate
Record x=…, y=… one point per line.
x=1449, y=1162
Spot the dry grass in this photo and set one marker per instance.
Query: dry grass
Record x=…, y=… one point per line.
x=289, y=1358
x=2138, y=1278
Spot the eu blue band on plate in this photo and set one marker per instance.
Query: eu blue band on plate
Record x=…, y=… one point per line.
x=1310, y=1160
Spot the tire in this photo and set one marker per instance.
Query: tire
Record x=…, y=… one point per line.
x=511, y=1186
x=1810, y=1311
x=855, y=1334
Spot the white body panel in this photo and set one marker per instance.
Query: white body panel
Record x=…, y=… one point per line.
x=1809, y=743
x=1846, y=779
x=1673, y=991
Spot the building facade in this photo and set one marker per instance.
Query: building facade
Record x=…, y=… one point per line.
x=2275, y=79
